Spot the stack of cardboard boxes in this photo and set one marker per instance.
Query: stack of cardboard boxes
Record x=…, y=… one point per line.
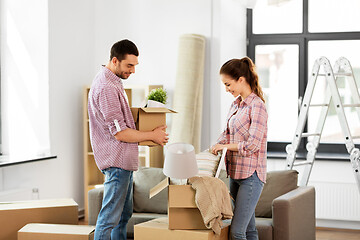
x=16, y=217
x=184, y=219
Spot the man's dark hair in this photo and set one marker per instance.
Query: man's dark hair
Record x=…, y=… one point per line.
x=122, y=48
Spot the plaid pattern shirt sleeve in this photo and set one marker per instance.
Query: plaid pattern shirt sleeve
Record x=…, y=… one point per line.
x=223, y=138
x=111, y=110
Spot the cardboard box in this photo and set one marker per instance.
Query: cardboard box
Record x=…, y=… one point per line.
x=40, y=231
x=182, y=210
x=147, y=119
x=15, y=215
x=159, y=229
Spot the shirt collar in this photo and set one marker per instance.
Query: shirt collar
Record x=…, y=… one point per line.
x=249, y=98
x=237, y=101
x=111, y=76
x=246, y=101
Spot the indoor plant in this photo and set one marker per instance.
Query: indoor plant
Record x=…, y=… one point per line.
x=157, y=98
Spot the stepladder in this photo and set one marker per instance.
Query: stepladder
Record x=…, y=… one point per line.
x=323, y=68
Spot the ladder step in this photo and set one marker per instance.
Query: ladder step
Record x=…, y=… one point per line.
x=326, y=105
x=301, y=163
x=345, y=74
x=355, y=137
x=337, y=74
x=351, y=105
x=321, y=105
x=309, y=134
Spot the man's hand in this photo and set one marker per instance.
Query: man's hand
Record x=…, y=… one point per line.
x=160, y=136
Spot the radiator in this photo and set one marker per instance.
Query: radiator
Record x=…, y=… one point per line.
x=337, y=201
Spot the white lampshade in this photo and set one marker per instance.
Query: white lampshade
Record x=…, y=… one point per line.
x=180, y=161
x=248, y=3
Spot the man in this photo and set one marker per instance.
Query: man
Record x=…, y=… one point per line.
x=114, y=139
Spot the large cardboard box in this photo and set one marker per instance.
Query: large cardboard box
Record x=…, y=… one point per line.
x=182, y=210
x=159, y=229
x=147, y=119
x=40, y=231
x=15, y=215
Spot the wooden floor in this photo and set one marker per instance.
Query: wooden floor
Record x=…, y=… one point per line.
x=321, y=233
x=336, y=234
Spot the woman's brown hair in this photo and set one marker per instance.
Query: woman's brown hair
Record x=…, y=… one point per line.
x=244, y=67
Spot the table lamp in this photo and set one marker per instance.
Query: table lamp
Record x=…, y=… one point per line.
x=248, y=3
x=180, y=161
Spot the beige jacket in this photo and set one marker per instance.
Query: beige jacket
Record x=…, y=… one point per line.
x=213, y=200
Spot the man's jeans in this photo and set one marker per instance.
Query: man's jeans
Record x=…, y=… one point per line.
x=117, y=205
x=246, y=193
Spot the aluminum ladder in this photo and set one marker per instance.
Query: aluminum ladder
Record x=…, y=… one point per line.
x=342, y=68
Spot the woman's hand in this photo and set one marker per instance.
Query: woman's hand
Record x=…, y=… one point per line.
x=216, y=148
x=219, y=147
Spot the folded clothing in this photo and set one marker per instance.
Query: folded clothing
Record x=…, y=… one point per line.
x=213, y=200
x=207, y=163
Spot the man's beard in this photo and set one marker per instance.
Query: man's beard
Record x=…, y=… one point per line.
x=123, y=76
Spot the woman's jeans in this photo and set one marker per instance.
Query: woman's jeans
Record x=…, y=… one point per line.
x=246, y=193
x=117, y=205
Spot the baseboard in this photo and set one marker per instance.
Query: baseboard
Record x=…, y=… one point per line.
x=337, y=224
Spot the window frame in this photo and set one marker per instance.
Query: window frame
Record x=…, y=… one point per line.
x=302, y=40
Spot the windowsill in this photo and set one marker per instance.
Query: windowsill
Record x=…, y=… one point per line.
x=6, y=161
x=319, y=156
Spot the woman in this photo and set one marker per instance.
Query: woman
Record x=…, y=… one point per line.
x=245, y=137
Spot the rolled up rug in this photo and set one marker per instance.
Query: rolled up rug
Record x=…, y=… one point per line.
x=188, y=93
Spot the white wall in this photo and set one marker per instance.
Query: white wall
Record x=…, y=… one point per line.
x=71, y=41
x=232, y=45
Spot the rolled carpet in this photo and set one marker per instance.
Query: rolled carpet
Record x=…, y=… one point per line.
x=188, y=93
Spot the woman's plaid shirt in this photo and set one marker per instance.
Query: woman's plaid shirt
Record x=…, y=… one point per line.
x=246, y=126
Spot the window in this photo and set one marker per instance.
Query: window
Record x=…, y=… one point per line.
x=285, y=37
x=24, y=78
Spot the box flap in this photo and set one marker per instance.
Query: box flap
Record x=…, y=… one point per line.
x=159, y=187
x=158, y=110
